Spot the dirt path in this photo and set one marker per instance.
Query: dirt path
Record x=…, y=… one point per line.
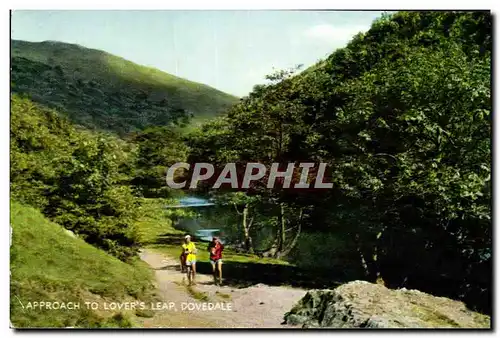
x=259, y=306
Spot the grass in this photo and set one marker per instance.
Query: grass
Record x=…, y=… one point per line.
x=198, y=295
x=102, y=91
x=49, y=265
x=431, y=316
x=155, y=221
x=438, y=318
x=222, y=295
x=146, y=313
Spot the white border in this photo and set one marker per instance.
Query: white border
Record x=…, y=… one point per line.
x=254, y=4
x=4, y=168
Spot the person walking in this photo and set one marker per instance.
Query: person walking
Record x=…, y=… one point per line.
x=189, y=250
x=215, y=248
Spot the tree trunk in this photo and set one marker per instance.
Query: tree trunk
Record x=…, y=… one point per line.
x=376, y=265
x=372, y=267
x=295, y=239
x=282, y=227
x=273, y=250
x=246, y=230
x=361, y=256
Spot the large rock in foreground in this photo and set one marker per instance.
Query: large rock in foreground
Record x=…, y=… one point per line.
x=363, y=304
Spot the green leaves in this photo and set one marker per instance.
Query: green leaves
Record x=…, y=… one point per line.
x=75, y=177
x=157, y=149
x=402, y=114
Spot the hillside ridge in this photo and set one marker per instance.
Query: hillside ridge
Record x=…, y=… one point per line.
x=102, y=91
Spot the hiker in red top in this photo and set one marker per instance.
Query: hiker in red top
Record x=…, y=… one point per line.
x=215, y=248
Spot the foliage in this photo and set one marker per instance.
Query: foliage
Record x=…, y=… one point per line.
x=105, y=92
x=76, y=178
x=158, y=149
x=154, y=221
x=402, y=116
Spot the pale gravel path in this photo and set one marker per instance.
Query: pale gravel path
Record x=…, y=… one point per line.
x=259, y=306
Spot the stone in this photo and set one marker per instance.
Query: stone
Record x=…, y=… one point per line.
x=360, y=304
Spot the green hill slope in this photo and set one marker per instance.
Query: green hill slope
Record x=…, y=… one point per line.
x=102, y=91
x=47, y=264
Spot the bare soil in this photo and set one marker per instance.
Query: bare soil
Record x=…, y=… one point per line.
x=257, y=306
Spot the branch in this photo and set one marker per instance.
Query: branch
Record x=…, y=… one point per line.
x=236, y=208
x=250, y=224
x=294, y=241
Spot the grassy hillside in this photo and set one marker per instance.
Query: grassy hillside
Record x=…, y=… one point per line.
x=99, y=90
x=47, y=264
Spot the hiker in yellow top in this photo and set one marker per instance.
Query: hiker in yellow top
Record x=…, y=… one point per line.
x=189, y=250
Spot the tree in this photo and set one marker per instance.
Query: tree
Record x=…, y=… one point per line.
x=157, y=149
x=75, y=177
x=402, y=115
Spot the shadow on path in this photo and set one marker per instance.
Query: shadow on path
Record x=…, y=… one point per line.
x=242, y=275
x=169, y=268
x=168, y=239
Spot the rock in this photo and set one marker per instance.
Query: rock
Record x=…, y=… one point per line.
x=294, y=319
x=311, y=324
x=360, y=304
